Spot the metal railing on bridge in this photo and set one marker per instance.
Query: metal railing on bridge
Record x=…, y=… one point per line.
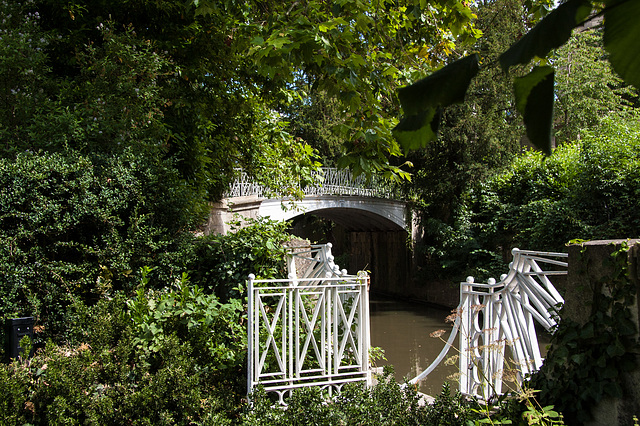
x=494, y=316
x=330, y=181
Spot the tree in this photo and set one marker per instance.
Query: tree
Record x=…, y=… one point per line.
x=98, y=77
x=534, y=92
x=477, y=139
x=315, y=120
x=587, y=89
x=358, y=52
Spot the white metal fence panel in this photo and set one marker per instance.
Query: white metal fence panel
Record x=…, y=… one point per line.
x=308, y=332
x=494, y=316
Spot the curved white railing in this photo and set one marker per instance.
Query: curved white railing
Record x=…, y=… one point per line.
x=330, y=181
x=492, y=316
x=313, y=261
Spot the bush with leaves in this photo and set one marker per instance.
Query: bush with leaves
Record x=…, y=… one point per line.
x=153, y=359
x=215, y=331
x=103, y=377
x=386, y=403
x=585, y=190
x=255, y=247
x=75, y=232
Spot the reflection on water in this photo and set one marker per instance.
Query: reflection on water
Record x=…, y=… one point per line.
x=402, y=329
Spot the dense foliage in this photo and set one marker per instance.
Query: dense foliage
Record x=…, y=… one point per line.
x=583, y=101
x=158, y=350
x=146, y=77
x=355, y=53
x=535, y=92
x=223, y=261
x=146, y=366
x=476, y=138
x=584, y=190
x=455, y=174
x=76, y=231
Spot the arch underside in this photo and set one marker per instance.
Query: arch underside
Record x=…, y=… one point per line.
x=352, y=213
x=356, y=219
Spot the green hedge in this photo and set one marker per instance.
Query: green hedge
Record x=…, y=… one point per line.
x=76, y=229
x=585, y=190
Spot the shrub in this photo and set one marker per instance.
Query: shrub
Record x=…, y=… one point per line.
x=75, y=232
x=449, y=409
x=215, y=331
x=386, y=403
x=584, y=190
x=223, y=261
x=110, y=374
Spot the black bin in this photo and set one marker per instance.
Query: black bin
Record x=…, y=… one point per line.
x=16, y=329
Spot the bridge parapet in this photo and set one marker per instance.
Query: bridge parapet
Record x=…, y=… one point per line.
x=330, y=181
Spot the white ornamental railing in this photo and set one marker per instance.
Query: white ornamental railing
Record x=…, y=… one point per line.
x=330, y=181
x=313, y=261
x=494, y=316
x=311, y=329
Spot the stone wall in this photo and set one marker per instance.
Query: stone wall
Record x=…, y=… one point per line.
x=590, y=267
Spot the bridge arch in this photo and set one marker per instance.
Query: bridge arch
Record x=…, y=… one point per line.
x=354, y=213
x=355, y=203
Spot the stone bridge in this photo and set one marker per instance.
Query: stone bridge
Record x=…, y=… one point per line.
x=353, y=203
x=374, y=225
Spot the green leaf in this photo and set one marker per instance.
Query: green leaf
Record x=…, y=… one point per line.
x=552, y=32
x=587, y=331
x=621, y=35
x=534, y=100
x=444, y=87
x=578, y=358
x=423, y=101
x=416, y=131
x=613, y=389
x=616, y=349
x=278, y=42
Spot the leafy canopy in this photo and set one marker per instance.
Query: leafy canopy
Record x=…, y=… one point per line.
x=534, y=92
x=358, y=52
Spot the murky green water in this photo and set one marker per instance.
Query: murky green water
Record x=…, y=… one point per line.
x=402, y=329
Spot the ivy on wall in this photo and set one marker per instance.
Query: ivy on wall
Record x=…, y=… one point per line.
x=587, y=361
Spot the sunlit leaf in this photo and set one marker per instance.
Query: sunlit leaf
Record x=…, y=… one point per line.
x=621, y=39
x=423, y=101
x=534, y=100
x=552, y=32
x=416, y=131
x=444, y=87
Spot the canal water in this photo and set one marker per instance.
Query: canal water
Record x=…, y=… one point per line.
x=402, y=330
